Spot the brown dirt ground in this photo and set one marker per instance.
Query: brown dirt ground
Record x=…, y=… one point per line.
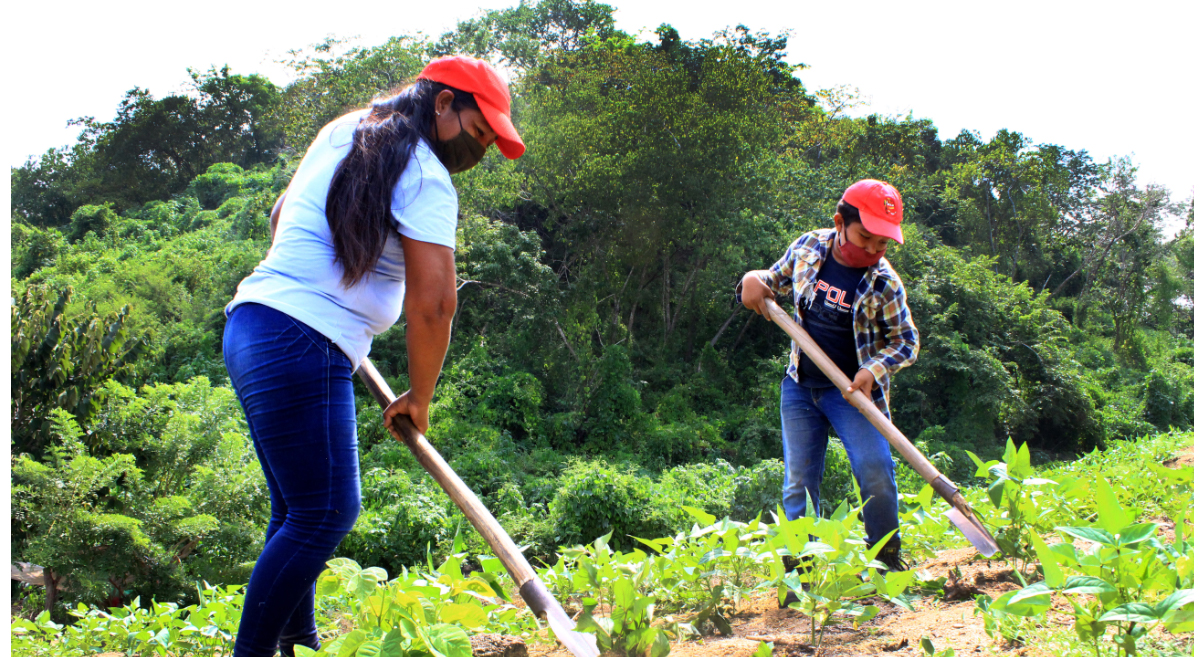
x=1186, y=458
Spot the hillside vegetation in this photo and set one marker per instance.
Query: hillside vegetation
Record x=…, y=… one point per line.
x=600, y=377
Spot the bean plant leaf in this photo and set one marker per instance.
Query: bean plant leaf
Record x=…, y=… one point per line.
x=1131, y=612
x=1031, y=591
x=351, y=642
x=1111, y=516
x=1092, y=534
x=661, y=645
x=343, y=567
x=392, y=645
x=1131, y=534
x=1088, y=585
x=467, y=615
x=996, y=493
x=764, y=649
x=1019, y=465
x=449, y=640
x=705, y=519
x=1050, y=568
x=491, y=564
x=1033, y=605
x=327, y=584
x=1175, y=601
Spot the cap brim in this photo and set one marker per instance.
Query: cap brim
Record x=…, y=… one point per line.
x=882, y=227
x=507, y=139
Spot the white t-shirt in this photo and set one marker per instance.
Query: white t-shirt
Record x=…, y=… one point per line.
x=299, y=276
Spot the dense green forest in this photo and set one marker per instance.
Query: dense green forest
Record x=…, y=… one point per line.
x=600, y=374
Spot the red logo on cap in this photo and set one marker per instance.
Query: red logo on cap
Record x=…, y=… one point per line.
x=889, y=206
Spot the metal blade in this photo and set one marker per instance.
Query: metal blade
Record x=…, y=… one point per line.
x=580, y=644
x=974, y=530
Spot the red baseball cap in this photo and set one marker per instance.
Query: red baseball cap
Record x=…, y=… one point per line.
x=479, y=79
x=879, y=206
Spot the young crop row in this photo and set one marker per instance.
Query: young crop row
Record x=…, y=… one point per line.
x=1067, y=533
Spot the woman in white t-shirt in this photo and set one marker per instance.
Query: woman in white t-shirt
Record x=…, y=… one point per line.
x=365, y=229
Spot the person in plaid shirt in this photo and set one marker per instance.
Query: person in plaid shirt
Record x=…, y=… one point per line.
x=854, y=306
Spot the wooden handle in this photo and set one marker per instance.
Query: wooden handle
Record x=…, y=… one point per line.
x=859, y=400
x=429, y=458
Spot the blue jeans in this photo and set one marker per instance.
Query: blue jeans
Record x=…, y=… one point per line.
x=807, y=414
x=295, y=387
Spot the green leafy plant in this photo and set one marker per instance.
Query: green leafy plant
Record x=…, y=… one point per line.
x=629, y=629
x=204, y=628
x=834, y=577
x=1127, y=580
x=412, y=615
x=709, y=569
x=1025, y=505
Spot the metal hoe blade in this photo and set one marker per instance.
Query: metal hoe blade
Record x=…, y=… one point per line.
x=542, y=604
x=975, y=532
x=577, y=642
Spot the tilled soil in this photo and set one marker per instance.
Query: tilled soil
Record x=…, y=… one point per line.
x=949, y=621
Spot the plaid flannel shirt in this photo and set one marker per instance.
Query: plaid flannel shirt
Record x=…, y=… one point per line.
x=884, y=333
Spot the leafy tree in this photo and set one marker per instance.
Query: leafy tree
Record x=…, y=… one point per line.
x=61, y=362
x=330, y=83
x=34, y=248
x=96, y=219
x=523, y=35
x=63, y=519
x=994, y=359
x=153, y=147
x=160, y=491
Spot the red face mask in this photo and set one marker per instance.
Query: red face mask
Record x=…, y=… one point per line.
x=856, y=256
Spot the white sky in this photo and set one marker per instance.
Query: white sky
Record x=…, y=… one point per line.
x=1113, y=82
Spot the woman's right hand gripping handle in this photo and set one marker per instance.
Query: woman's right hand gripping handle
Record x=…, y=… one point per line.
x=429, y=304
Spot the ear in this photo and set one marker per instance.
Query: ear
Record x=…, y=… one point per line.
x=838, y=222
x=444, y=99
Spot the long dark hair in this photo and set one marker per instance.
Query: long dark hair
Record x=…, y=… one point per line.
x=359, y=204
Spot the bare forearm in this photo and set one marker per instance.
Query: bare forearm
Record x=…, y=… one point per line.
x=428, y=337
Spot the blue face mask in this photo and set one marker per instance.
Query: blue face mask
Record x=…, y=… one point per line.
x=461, y=152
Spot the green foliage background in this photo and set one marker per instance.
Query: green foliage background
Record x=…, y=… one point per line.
x=600, y=375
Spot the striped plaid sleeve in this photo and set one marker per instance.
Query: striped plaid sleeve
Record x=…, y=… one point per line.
x=900, y=334
x=779, y=276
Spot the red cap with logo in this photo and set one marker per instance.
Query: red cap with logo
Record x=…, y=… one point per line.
x=479, y=79
x=879, y=206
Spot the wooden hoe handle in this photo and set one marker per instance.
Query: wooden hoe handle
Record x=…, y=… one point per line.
x=859, y=400
x=531, y=588
x=429, y=458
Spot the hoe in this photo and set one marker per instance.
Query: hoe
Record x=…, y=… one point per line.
x=960, y=513
x=533, y=591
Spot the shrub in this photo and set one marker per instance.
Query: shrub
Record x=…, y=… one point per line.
x=221, y=182
x=757, y=489
x=706, y=486
x=400, y=521
x=91, y=219
x=1168, y=399
x=596, y=498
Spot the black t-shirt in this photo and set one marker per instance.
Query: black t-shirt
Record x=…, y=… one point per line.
x=830, y=321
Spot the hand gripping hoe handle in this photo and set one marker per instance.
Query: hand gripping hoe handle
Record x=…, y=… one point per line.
x=532, y=590
x=960, y=513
